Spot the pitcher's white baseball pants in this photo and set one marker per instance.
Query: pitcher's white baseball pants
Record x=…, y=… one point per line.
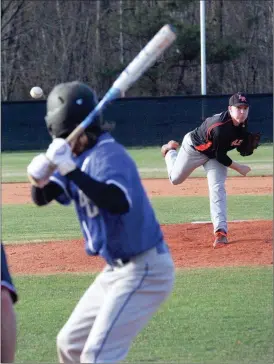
x=181, y=165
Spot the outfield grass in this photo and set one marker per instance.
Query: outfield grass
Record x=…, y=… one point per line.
x=149, y=162
x=213, y=316
x=29, y=222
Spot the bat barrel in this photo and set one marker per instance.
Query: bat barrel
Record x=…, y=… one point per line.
x=145, y=59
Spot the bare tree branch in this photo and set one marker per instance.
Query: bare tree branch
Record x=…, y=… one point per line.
x=5, y=10
x=14, y=14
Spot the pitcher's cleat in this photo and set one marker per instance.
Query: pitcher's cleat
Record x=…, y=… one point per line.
x=220, y=238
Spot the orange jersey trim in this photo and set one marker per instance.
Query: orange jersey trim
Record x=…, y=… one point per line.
x=207, y=145
x=203, y=147
x=214, y=126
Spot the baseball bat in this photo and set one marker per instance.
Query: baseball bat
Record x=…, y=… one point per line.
x=136, y=68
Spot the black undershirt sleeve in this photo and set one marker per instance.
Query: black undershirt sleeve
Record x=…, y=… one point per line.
x=43, y=196
x=106, y=196
x=221, y=147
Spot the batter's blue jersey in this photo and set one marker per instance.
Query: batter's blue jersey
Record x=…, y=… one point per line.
x=6, y=280
x=112, y=236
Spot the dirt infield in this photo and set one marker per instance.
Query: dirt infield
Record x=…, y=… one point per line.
x=190, y=244
x=19, y=193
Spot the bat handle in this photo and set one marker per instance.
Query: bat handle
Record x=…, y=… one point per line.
x=75, y=133
x=112, y=94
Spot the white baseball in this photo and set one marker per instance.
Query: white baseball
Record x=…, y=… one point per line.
x=36, y=92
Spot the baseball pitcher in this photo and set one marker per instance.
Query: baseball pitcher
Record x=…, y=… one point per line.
x=207, y=146
x=117, y=222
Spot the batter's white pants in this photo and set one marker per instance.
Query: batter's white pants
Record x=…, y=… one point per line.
x=115, y=308
x=181, y=165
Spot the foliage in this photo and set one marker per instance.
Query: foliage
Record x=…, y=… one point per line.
x=47, y=42
x=223, y=51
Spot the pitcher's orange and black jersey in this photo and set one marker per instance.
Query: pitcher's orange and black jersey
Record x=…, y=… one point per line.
x=217, y=135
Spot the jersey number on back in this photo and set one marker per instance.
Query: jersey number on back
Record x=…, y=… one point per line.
x=91, y=209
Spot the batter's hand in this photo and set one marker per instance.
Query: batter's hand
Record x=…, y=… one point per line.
x=60, y=154
x=38, y=170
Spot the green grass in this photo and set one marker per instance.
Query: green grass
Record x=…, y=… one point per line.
x=174, y=210
x=149, y=161
x=219, y=315
x=28, y=222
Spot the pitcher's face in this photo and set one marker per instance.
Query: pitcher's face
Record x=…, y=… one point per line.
x=238, y=113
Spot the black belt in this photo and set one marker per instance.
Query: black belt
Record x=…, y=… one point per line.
x=120, y=262
x=161, y=249
x=125, y=261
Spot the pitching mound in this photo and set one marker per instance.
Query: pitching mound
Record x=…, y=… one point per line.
x=190, y=245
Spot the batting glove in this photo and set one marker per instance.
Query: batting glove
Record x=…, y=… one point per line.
x=38, y=170
x=59, y=153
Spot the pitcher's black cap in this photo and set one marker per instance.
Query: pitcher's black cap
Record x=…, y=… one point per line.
x=238, y=99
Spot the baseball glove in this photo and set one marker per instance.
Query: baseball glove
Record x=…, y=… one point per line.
x=250, y=143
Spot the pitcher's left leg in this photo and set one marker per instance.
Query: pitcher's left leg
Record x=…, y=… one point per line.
x=180, y=165
x=216, y=177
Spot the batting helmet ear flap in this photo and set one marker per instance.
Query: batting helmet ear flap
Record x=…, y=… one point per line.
x=49, y=128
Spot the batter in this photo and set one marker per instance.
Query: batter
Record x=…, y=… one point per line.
x=117, y=222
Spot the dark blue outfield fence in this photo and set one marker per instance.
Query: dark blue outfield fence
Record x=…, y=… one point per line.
x=139, y=121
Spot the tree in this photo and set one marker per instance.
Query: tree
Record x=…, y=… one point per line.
x=47, y=42
x=13, y=26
